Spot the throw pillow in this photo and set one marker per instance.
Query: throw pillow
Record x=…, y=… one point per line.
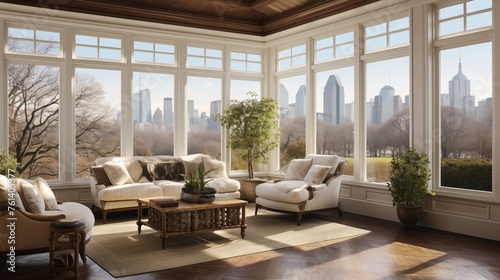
x=317, y=173
x=101, y=176
x=117, y=173
x=170, y=170
x=339, y=171
x=297, y=169
x=48, y=195
x=217, y=167
x=31, y=197
x=145, y=171
x=7, y=192
x=190, y=167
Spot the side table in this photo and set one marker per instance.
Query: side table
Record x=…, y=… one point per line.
x=66, y=242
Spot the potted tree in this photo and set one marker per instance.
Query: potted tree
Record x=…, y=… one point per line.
x=253, y=131
x=195, y=188
x=408, y=184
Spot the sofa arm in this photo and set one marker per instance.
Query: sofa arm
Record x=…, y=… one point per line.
x=40, y=217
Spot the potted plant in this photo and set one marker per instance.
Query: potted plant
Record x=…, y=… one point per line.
x=408, y=184
x=8, y=164
x=195, y=188
x=253, y=131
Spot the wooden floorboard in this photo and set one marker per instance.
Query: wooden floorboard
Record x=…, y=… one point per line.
x=389, y=251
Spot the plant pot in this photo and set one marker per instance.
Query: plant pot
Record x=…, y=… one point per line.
x=206, y=196
x=249, y=185
x=409, y=215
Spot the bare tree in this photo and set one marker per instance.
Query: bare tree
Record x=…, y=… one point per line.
x=454, y=123
x=395, y=133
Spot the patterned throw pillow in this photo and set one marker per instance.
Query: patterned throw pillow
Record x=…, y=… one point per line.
x=31, y=197
x=297, y=169
x=317, y=173
x=170, y=170
x=117, y=173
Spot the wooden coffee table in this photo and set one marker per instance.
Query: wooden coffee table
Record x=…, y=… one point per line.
x=192, y=217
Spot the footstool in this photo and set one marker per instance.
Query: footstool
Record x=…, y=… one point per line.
x=66, y=242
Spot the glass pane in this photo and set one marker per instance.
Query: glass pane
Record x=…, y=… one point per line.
x=298, y=60
x=238, y=55
x=47, y=36
x=285, y=53
x=376, y=30
x=335, y=116
x=90, y=52
x=110, y=42
x=323, y=43
x=196, y=51
x=376, y=43
x=466, y=126
x=387, y=114
x=292, y=102
x=21, y=46
x=153, y=113
x=344, y=50
x=253, y=67
x=399, y=38
x=21, y=33
x=238, y=66
x=165, y=58
x=451, y=27
x=325, y=54
x=33, y=102
x=452, y=11
x=110, y=54
x=344, y=38
x=86, y=40
x=145, y=46
x=238, y=91
x=204, y=101
x=98, y=116
x=214, y=63
x=478, y=5
x=164, y=48
x=399, y=24
x=479, y=21
x=143, y=56
x=214, y=53
x=48, y=48
x=195, y=61
x=254, y=57
x=298, y=49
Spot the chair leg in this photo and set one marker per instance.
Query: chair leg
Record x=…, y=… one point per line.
x=340, y=212
x=299, y=218
x=104, y=216
x=256, y=209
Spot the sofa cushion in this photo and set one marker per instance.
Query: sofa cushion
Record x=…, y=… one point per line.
x=117, y=173
x=190, y=167
x=48, y=195
x=31, y=197
x=223, y=185
x=171, y=170
x=217, y=167
x=129, y=191
x=297, y=169
x=317, y=173
x=290, y=191
x=101, y=176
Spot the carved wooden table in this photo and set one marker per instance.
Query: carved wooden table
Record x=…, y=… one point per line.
x=192, y=217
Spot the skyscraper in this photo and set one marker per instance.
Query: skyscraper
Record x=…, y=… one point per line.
x=283, y=102
x=459, y=90
x=333, y=100
x=300, y=101
x=383, y=105
x=158, y=118
x=142, y=107
x=215, y=108
x=168, y=114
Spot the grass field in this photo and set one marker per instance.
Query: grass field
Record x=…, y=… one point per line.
x=377, y=168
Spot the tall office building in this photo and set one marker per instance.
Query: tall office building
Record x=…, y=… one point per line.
x=158, y=118
x=383, y=105
x=333, y=101
x=283, y=102
x=215, y=108
x=168, y=113
x=459, y=91
x=191, y=112
x=142, y=107
x=300, y=101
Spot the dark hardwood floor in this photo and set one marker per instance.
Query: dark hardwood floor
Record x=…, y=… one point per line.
x=390, y=251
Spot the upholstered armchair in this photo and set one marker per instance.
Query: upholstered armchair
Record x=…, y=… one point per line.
x=311, y=184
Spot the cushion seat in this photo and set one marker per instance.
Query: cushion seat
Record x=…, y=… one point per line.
x=290, y=191
x=129, y=191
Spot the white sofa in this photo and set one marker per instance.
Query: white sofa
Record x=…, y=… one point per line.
x=310, y=184
x=34, y=207
x=119, y=193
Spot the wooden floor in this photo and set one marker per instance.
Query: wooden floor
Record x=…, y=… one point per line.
x=388, y=252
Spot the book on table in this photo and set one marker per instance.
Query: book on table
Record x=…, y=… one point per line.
x=164, y=201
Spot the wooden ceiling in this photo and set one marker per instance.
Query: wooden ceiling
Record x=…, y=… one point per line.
x=253, y=17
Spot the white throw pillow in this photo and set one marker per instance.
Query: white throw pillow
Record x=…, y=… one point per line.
x=32, y=198
x=218, y=168
x=117, y=173
x=48, y=195
x=297, y=169
x=317, y=173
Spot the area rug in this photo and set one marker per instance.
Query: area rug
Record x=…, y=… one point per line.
x=118, y=249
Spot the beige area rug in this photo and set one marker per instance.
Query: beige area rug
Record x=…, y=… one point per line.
x=118, y=248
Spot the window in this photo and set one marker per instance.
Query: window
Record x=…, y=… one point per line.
x=387, y=34
x=33, y=102
x=292, y=103
x=34, y=41
x=333, y=47
x=466, y=119
x=464, y=16
x=248, y=62
x=204, y=58
x=292, y=57
x=150, y=52
x=387, y=114
x=203, y=103
x=153, y=113
x=98, y=116
x=98, y=47
x=335, y=115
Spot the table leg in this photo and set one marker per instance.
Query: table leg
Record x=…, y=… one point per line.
x=139, y=216
x=83, y=254
x=243, y=221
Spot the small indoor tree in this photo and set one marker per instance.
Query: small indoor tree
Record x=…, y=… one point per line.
x=253, y=128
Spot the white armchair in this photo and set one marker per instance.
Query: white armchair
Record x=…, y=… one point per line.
x=311, y=184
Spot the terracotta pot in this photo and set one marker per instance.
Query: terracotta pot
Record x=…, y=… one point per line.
x=249, y=185
x=409, y=215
